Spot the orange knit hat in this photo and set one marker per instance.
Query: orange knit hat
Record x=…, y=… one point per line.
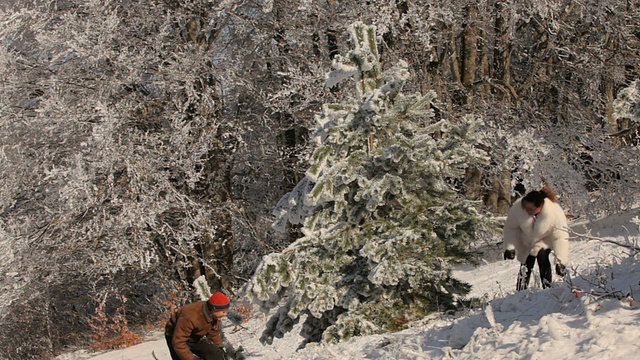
x=219, y=301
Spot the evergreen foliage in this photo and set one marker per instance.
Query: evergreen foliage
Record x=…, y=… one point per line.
x=384, y=222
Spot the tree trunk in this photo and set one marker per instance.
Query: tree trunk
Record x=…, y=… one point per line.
x=469, y=56
x=473, y=183
x=455, y=63
x=502, y=49
x=483, y=48
x=217, y=251
x=498, y=200
x=469, y=52
x=608, y=91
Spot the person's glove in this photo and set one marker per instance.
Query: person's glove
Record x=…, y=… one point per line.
x=238, y=355
x=561, y=270
x=233, y=354
x=225, y=355
x=509, y=254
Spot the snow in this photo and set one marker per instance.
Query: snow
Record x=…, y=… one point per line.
x=591, y=314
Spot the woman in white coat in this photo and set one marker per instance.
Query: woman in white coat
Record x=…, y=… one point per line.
x=535, y=226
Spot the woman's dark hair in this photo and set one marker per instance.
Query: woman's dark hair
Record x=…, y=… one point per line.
x=537, y=197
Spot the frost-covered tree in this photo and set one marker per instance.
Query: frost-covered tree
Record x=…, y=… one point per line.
x=382, y=221
x=115, y=156
x=544, y=73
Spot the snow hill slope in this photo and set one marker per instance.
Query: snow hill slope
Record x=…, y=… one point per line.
x=591, y=314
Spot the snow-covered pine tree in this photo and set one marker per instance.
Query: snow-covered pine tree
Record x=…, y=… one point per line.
x=382, y=222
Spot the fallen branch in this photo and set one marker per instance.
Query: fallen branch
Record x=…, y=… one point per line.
x=635, y=248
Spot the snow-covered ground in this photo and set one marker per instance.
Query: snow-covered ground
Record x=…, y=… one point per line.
x=591, y=314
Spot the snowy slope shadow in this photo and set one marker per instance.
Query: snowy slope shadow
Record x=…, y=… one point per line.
x=525, y=307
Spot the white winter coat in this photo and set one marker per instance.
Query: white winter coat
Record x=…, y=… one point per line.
x=528, y=235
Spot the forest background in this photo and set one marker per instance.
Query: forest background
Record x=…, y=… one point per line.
x=145, y=144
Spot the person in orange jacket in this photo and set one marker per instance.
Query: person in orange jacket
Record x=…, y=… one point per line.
x=193, y=331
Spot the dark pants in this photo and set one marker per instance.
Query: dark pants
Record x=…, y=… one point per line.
x=205, y=349
x=524, y=275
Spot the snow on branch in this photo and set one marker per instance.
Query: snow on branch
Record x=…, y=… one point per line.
x=633, y=247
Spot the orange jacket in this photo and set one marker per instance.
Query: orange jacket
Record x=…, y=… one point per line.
x=189, y=324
